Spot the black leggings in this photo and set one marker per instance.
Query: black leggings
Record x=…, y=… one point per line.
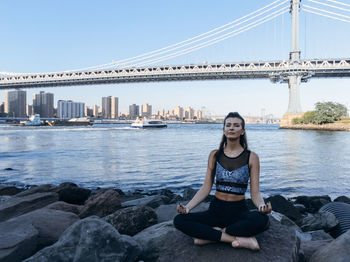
x=234, y=216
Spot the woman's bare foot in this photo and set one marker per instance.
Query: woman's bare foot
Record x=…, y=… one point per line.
x=246, y=242
x=198, y=241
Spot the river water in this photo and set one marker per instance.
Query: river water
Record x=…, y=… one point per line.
x=293, y=162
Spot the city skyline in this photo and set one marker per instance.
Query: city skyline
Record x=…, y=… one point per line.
x=117, y=30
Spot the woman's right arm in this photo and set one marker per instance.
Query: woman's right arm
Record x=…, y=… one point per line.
x=204, y=191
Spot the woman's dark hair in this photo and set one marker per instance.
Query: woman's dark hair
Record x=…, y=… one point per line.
x=242, y=139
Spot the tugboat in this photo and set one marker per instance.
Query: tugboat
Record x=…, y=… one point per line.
x=34, y=120
x=145, y=123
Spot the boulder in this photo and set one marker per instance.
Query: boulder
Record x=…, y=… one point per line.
x=72, y=194
x=101, y=204
x=312, y=203
x=189, y=193
x=20, y=205
x=90, y=239
x=132, y=220
x=9, y=190
x=308, y=248
x=151, y=201
x=285, y=207
x=17, y=241
x=49, y=223
x=162, y=242
x=335, y=251
x=4, y=198
x=342, y=213
x=321, y=220
x=63, y=206
x=343, y=199
x=35, y=189
x=168, y=212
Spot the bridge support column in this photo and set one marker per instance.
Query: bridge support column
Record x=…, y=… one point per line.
x=294, y=107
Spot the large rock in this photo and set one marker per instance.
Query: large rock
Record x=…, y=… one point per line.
x=151, y=201
x=91, y=239
x=321, y=220
x=342, y=213
x=132, y=220
x=9, y=190
x=20, y=205
x=283, y=206
x=162, y=242
x=188, y=193
x=35, y=189
x=72, y=194
x=168, y=212
x=335, y=251
x=343, y=199
x=17, y=241
x=66, y=207
x=101, y=204
x=49, y=223
x=312, y=203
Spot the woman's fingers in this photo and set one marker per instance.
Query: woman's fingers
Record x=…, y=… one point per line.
x=181, y=209
x=265, y=208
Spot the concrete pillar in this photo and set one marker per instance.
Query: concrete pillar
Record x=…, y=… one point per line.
x=294, y=95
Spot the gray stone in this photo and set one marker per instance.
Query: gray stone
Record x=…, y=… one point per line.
x=322, y=220
x=89, y=240
x=101, y=204
x=343, y=199
x=151, y=201
x=162, y=242
x=132, y=220
x=50, y=224
x=17, y=241
x=5, y=198
x=20, y=205
x=307, y=248
x=189, y=193
x=35, y=189
x=63, y=206
x=335, y=251
x=168, y=212
x=285, y=207
x=9, y=190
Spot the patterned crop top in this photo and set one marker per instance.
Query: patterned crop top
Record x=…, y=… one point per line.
x=232, y=173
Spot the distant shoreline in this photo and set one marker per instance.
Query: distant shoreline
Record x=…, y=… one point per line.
x=326, y=127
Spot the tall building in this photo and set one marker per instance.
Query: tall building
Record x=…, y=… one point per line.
x=189, y=113
x=110, y=107
x=2, y=108
x=15, y=103
x=146, y=110
x=134, y=111
x=89, y=111
x=114, y=107
x=197, y=114
x=43, y=104
x=179, y=112
x=96, y=110
x=30, y=110
x=70, y=109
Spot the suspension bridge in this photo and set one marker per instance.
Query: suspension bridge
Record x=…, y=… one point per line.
x=140, y=69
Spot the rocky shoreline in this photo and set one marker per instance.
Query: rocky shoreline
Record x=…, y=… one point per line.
x=71, y=223
x=326, y=127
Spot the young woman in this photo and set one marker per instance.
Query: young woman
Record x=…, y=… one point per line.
x=228, y=218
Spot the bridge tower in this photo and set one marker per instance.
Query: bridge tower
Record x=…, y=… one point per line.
x=294, y=79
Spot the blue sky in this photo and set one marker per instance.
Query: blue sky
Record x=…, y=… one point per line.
x=44, y=36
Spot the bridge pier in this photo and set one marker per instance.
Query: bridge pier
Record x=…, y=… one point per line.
x=294, y=107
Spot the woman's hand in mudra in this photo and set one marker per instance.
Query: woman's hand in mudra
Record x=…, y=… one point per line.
x=182, y=209
x=265, y=208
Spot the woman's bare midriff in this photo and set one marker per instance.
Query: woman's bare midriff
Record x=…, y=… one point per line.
x=228, y=197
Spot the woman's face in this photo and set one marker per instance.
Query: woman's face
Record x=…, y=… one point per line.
x=233, y=127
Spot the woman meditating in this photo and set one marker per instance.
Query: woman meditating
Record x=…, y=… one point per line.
x=228, y=218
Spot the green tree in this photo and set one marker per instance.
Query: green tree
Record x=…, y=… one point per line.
x=328, y=112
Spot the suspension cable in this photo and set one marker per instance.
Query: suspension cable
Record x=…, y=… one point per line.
x=332, y=6
x=218, y=37
x=329, y=16
x=274, y=4
x=199, y=47
x=325, y=11
x=337, y=2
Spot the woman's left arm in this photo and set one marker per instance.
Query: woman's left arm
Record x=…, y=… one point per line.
x=254, y=166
